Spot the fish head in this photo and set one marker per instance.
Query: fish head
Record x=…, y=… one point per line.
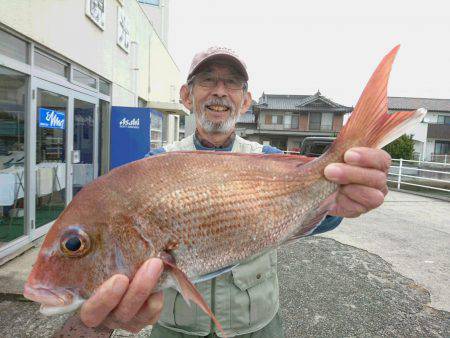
x=78, y=256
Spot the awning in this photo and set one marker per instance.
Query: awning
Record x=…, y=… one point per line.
x=169, y=107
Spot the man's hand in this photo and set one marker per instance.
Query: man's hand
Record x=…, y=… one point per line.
x=363, y=181
x=118, y=304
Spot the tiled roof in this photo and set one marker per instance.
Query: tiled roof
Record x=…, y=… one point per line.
x=248, y=117
x=409, y=103
x=274, y=101
x=296, y=102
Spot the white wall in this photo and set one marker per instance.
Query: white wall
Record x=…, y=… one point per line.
x=419, y=133
x=432, y=117
x=159, y=17
x=62, y=26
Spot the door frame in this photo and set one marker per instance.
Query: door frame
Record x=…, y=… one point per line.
x=71, y=95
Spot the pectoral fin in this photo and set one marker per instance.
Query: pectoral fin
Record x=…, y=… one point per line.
x=189, y=291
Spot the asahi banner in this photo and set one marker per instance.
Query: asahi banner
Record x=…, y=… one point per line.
x=52, y=119
x=130, y=134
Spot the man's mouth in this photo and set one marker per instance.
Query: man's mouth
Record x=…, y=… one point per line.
x=218, y=108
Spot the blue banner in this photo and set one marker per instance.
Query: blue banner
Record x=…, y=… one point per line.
x=53, y=119
x=130, y=134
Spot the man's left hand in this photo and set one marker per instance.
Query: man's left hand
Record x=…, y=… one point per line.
x=363, y=181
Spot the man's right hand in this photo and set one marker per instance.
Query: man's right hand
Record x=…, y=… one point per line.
x=119, y=304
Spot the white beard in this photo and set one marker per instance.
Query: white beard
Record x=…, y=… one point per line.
x=216, y=127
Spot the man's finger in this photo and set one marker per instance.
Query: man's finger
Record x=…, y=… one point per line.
x=103, y=301
x=147, y=315
x=349, y=174
x=151, y=310
x=346, y=207
x=140, y=288
x=368, y=158
x=368, y=197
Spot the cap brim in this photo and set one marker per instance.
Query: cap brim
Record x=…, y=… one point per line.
x=239, y=66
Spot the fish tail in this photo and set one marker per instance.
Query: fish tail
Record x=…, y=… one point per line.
x=370, y=124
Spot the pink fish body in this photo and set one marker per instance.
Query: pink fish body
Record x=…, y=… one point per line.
x=199, y=211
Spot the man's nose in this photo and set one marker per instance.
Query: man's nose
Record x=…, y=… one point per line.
x=220, y=89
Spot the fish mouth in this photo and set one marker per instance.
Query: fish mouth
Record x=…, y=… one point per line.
x=53, y=301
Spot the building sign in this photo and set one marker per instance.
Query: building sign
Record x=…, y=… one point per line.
x=53, y=119
x=127, y=123
x=130, y=134
x=123, y=30
x=95, y=10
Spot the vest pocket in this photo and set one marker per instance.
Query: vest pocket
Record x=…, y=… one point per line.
x=255, y=271
x=167, y=314
x=256, y=294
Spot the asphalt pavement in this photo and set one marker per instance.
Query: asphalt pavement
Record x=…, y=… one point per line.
x=385, y=274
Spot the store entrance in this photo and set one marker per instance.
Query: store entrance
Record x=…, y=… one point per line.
x=51, y=155
x=65, y=147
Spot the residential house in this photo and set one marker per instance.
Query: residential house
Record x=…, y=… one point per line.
x=432, y=136
x=283, y=121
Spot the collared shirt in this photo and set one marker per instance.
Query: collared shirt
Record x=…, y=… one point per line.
x=202, y=144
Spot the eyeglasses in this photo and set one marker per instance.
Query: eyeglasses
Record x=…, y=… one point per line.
x=211, y=80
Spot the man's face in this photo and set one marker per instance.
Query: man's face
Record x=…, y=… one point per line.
x=217, y=98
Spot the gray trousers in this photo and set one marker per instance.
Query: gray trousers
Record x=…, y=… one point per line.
x=272, y=330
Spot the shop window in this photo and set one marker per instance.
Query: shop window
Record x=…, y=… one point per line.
x=51, y=64
x=155, y=131
x=104, y=87
x=84, y=79
x=13, y=98
x=13, y=47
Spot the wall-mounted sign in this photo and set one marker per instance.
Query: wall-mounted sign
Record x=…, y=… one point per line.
x=123, y=30
x=95, y=10
x=130, y=134
x=53, y=119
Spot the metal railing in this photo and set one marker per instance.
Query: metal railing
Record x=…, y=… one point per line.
x=420, y=176
x=440, y=158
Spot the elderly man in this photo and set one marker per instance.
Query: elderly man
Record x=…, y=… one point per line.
x=244, y=301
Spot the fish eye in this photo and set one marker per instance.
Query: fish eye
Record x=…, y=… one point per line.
x=75, y=243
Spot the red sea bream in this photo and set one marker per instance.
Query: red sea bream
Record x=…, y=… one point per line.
x=199, y=211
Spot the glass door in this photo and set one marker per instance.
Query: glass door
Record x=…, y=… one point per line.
x=83, y=143
x=51, y=156
x=65, y=150
x=13, y=105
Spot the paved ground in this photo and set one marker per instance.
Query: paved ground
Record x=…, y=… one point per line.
x=385, y=274
x=413, y=234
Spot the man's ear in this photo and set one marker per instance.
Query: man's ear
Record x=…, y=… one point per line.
x=247, y=103
x=185, y=96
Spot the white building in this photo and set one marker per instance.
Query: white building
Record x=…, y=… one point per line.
x=71, y=61
x=432, y=136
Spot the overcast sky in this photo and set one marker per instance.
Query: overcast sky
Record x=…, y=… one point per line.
x=298, y=47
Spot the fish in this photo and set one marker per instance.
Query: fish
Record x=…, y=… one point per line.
x=200, y=211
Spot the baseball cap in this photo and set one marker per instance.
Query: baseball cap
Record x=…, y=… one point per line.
x=217, y=52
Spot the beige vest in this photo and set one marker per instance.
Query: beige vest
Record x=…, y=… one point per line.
x=243, y=300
